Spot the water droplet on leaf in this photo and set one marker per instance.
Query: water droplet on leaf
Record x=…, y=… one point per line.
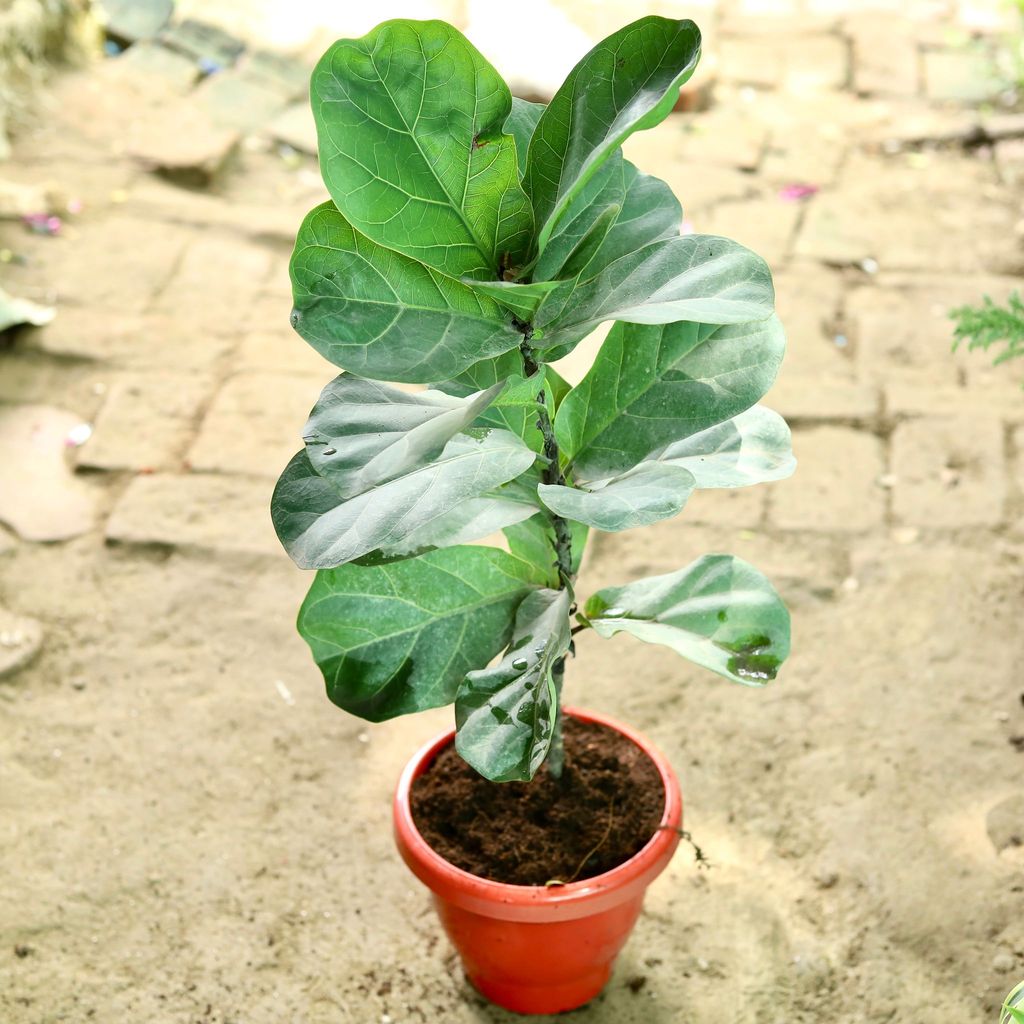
x=330, y=451
x=613, y=613
x=519, y=664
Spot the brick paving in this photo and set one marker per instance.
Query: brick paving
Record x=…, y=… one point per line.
x=172, y=337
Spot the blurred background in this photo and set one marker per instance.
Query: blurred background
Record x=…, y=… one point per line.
x=191, y=833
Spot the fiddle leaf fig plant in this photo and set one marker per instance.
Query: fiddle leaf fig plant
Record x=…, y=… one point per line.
x=471, y=240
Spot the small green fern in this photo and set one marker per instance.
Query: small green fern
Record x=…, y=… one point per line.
x=991, y=324
x=1013, y=1008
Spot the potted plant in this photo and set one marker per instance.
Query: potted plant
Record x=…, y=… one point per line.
x=471, y=240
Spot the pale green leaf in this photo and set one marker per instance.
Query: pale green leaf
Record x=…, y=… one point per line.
x=505, y=715
x=392, y=639
x=651, y=386
x=362, y=433
x=718, y=612
x=752, y=448
x=646, y=494
x=700, y=278
x=320, y=529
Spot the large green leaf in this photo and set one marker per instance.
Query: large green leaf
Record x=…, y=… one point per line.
x=410, y=122
x=651, y=386
x=648, y=212
x=391, y=639
x=382, y=315
x=719, y=612
x=701, y=278
x=362, y=433
x=645, y=494
x=320, y=529
x=505, y=715
x=628, y=82
x=752, y=448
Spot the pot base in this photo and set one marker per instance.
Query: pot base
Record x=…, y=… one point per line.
x=544, y=999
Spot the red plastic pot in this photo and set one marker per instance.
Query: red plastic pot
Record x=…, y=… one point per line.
x=530, y=948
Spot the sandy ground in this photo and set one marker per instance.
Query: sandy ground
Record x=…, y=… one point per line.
x=191, y=834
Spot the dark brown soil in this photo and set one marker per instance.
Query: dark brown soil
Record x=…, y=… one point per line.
x=605, y=807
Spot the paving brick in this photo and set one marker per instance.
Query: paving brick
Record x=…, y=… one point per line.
x=116, y=264
x=885, y=57
x=130, y=20
x=195, y=511
x=152, y=60
x=901, y=336
x=184, y=143
x=949, y=472
x=912, y=216
x=739, y=507
x=814, y=63
x=254, y=424
x=274, y=223
x=804, y=396
x=916, y=399
x=798, y=64
x=811, y=156
x=216, y=284
x=807, y=298
x=962, y=76
x=236, y=100
x=281, y=352
x=146, y=422
x=295, y=127
x=209, y=45
x=835, y=485
x=752, y=61
x=765, y=225
x=286, y=73
x=136, y=341
x=1010, y=161
x=718, y=138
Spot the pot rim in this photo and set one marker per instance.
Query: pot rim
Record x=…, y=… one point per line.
x=526, y=902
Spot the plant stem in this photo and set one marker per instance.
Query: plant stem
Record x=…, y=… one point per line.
x=552, y=474
x=556, y=752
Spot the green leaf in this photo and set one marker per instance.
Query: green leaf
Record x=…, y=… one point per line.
x=718, y=612
x=516, y=408
x=392, y=639
x=754, y=447
x=645, y=494
x=362, y=433
x=521, y=124
x=533, y=540
x=320, y=529
x=591, y=243
x=628, y=82
x=521, y=299
x=382, y=315
x=700, y=278
x=505, y=715
x=651, y=386
x=649, y=212
x=410, y=119
x=470, y=520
